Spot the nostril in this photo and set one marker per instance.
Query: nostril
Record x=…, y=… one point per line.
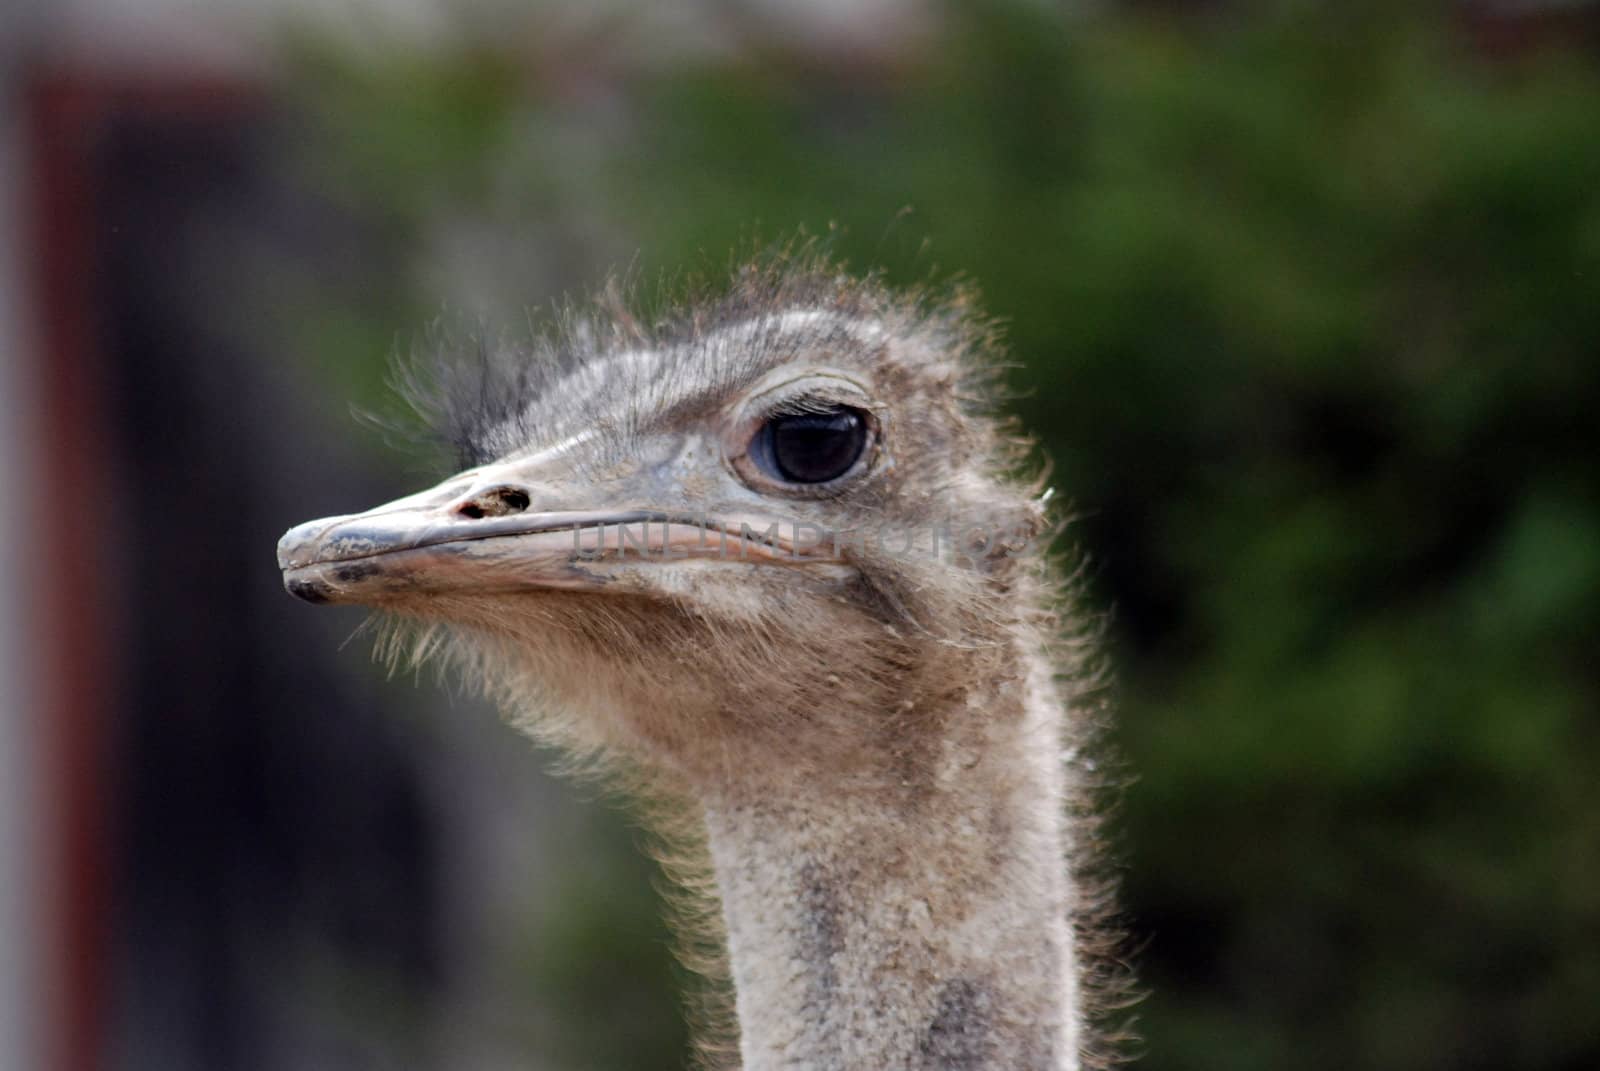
x=495, y=502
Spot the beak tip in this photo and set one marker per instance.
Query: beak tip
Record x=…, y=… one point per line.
x=297, y=543
x=293, y=554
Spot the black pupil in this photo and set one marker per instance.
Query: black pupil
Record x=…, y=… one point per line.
x=816, y=447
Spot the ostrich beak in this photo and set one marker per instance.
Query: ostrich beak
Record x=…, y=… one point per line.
x=484, y=531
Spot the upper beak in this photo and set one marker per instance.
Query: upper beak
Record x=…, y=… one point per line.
x=486, y=530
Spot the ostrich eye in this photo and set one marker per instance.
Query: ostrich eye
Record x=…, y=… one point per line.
x=811, y=447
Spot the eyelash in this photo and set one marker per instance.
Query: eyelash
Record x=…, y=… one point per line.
x=806, y=404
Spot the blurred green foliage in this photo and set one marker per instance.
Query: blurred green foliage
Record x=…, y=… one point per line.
x=1305, y=305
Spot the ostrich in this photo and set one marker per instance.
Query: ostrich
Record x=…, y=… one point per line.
x=771, y=558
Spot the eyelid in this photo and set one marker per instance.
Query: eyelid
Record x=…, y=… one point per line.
x=812, y=392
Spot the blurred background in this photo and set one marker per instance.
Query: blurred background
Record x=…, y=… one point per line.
x=1304, y=301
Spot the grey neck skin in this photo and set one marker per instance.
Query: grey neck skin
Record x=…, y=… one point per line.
x=909, y=926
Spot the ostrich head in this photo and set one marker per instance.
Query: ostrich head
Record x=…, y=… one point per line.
x=771, y=554
x=743, y=535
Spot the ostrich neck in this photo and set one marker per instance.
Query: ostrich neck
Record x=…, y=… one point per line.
x=909, y=924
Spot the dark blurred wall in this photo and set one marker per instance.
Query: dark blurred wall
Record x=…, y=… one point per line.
x=264, y=813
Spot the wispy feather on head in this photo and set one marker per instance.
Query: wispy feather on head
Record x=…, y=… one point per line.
x=607, y=364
